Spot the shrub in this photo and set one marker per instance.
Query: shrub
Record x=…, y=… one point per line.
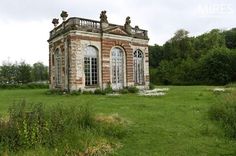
x=151, y=86
x=224, y=112
x=37, y=86
x=87, y=92
x=124, y=91
x=75, y=92
x=108, y=89
x=133, y=89
x=99, y=92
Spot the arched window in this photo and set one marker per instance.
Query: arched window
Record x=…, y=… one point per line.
x=58, y=67
x=91, y=66
x=117, y=68
x=138, y=67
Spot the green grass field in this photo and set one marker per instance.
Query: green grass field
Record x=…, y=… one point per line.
x=176, y=124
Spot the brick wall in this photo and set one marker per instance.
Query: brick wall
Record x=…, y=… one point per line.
x=76, y=55
x=107, y=45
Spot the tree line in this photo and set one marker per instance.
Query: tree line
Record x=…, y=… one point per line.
x=23, y=73
x=209, y=59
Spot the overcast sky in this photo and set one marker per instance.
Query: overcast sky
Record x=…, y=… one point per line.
x=25, y=24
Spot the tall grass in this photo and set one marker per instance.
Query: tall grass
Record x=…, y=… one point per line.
x=68, y=129
x=232, y=84
x=224, y=112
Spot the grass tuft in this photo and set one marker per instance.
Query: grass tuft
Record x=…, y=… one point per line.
x=224, y=112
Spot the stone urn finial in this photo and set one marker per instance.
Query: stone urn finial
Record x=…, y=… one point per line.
x=55, y=22
x=64, y=15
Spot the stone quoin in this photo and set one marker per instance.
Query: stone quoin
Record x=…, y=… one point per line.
x=88, y=54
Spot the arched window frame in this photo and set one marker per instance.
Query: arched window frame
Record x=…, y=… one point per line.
x=91, y=65
x=117, y=67
x=138, y=67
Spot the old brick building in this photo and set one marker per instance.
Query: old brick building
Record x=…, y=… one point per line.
x=89, y=54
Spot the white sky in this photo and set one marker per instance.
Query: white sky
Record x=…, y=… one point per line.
x=25, y=24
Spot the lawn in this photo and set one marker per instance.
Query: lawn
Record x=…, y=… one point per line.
x=172, y=125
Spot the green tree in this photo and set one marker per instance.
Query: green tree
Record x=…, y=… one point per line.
x=217, y=66
x=154, y=79
x=195, y=60
x=166, y=72
x=233, y=58
x=155, y=55
x=187, y=72
x=169, y=51
x=230, y=38
x=207, y=41
x=179, y=46
x=8, y=73
x=23, y=73
x=179, y=35
x=39, y=72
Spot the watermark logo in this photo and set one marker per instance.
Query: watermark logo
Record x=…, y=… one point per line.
x=215, y=10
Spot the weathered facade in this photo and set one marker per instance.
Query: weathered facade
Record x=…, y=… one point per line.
x=89, y=54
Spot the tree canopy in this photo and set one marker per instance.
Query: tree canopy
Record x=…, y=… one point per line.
x=209, y=58
x=22, y=73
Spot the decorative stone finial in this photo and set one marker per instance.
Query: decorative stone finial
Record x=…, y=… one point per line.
x=55, y=22
x=103, y=17
x=64, y=15
x=127, y=25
